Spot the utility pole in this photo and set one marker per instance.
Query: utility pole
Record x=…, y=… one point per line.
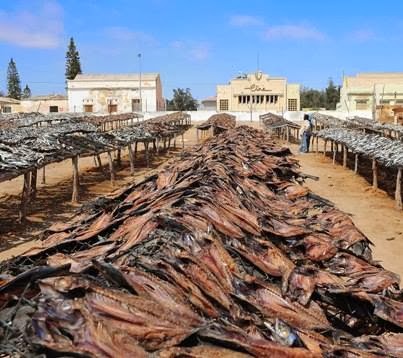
x=140, y=87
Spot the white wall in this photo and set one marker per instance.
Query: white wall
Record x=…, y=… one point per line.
x=77, y=97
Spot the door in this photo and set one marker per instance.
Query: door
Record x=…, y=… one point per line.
x=112, y=108
x=136, y=105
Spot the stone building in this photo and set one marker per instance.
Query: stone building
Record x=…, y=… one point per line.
x=258, y=92
x=368, y=91
x=115, y=93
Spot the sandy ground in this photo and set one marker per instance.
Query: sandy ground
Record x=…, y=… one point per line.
x=372, y=211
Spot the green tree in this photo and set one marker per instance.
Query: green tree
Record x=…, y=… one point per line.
x=73, y=65
x=332, y=95
x=26, y=93
x=182, y=101
x=13, y=81
x=312, y=98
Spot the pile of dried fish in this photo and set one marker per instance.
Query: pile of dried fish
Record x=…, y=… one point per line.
x=219, y=122
x=221, y=254
x=384, y=150
x=359, y=123
x=26, y=148
x=327, y=121
x=271, y=121
x=16, y=120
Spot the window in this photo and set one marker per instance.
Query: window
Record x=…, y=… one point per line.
x=6, y=109
x=88, y=108
x=136, y=105
x=112, y=108
x=292, y=104
x=361, y=104
x=53, y=109
x=224, y=104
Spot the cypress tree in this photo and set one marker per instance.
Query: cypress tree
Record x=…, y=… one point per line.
x=73, y=65
x=13, y=81
x=26, y=93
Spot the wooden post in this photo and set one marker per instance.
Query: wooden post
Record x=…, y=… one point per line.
x=76, y=182
x=131, y=158
x=146, y=154
x=119, y=158
x=398, y=193
x=154, y=146
x=374, y=174
x=317, y=144
x=25, y=196
x=345, y=151
x=324, y=148
x=99, y=161
x=111, y=168
x=34, y=175
x=43, y=175
x=175, y=139
x=158, y=145
x=356, y=164
x=183, y=142
x=334, y=155
x=135, y=150
x=287, y=134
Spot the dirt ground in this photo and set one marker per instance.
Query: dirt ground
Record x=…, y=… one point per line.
x=372, y=211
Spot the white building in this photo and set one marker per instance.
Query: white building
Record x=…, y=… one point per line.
x=208, y=104
x=108, y=93
x=366, y=91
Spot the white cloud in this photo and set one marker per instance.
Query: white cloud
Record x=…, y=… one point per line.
x=195, y=51
x=39, y=28
x=200, y=52
x=124, y=34
x=363, y=35
x=178, y=44
x=245, y=21
x=293, y=32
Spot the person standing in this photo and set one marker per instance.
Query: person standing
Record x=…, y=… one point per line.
x=306, y=134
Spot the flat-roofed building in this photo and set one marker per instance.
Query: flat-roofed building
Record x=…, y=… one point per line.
x=258, y=92
x=9, y=105
x=52, y=103
x=110, y=93
x=367, y=91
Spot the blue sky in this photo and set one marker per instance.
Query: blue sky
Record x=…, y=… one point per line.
x=198, y=44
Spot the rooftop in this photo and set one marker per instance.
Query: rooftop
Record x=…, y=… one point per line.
x=116, y=76
x=9, y=100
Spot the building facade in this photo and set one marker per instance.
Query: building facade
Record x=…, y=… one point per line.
x=208, y=104
x=45, y=104
x=367, y=91
x=258, y=92
x=115, y=93
x=9, y=105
